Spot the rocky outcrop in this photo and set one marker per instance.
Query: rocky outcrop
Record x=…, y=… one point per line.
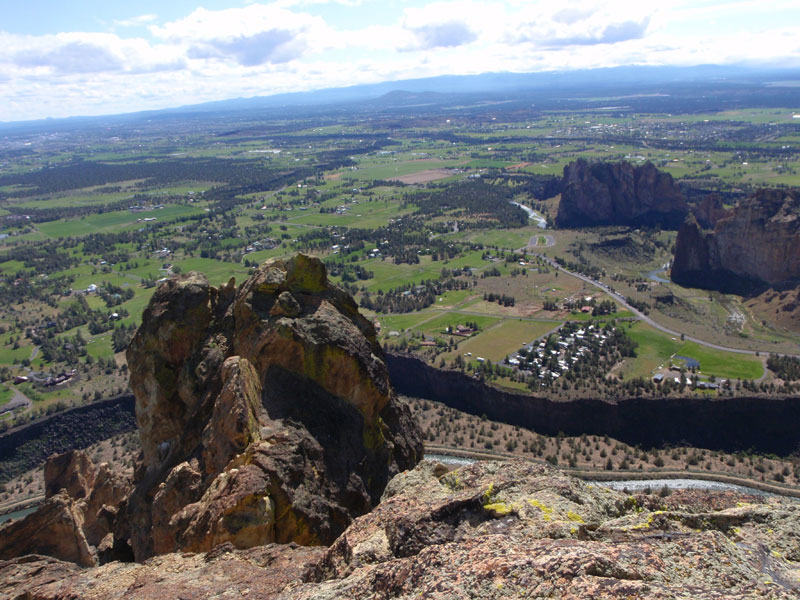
x=75, y=521
x=619, y=194
x=55, y=529
x=710, y=210
x=265, y=413
x=258, y=573
x=758, y=243
x=488, y=530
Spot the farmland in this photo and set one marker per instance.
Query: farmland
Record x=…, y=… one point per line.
x=412, y=216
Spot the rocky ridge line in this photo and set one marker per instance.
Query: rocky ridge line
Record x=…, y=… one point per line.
x=757, y=243
x=619, y=194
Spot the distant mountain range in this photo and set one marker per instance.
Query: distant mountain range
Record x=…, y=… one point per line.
x=624, y=82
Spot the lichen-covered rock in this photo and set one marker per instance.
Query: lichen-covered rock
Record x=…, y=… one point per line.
x=513, y=530
x=265, y=413
x=489, y=530
x=619, y=194
x=758, y=242
x=259, y=574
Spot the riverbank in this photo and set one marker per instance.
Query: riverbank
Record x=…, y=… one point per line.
x=637, y=475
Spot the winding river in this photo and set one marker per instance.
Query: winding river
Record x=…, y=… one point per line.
x=532, y=214
x=636, y=485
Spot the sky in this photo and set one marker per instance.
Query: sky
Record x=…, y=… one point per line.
x=95, y=57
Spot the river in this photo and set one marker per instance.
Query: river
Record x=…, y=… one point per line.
x=532, y=214
x=636, y=485
x=17, y=514
x=656, y=274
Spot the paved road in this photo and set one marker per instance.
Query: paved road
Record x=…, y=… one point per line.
x=619, y=298
x=18, y=400
x=549, y=240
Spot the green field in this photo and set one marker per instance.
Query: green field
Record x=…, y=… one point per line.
x=216, y=271
x=389, y=275
x=657, y=348
x=115, y=221
x=391, y=170
x=504, y=339
x=402, y=322
x=5, y=395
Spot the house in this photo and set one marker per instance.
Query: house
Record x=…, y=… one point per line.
x=658, y=377
x=586, y=309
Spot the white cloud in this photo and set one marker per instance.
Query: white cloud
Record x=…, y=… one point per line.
x=139, y=21
x=261, y=49
x=250, y=36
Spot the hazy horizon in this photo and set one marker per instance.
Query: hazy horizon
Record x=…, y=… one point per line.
x=92, y=58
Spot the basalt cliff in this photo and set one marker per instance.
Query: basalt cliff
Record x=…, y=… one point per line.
x=757, y=244
x=278, y=464
x=619, y=194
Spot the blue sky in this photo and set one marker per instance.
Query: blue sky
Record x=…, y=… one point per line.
x=89, y=57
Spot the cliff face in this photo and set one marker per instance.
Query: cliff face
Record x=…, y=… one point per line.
x=488, y=530
x=619, y=194
x=758, y=242
x=767, y=425
x=265, y=413
x=710, y=210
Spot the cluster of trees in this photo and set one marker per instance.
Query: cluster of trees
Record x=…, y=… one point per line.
x=121, y=337
x=605, y=307
x=114, y=295
x=408, y=298
x=501, y=299
x=639, y=305
x=784, y=367
x=348, y=272
x=489, y=204
x=63, y=349
x=582, y=267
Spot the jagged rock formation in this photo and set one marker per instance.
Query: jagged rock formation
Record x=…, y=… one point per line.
x=710, y=210
x=758, y=243
x=265, y=413
x=489, y=530
x=619, y=194
x=75, y=521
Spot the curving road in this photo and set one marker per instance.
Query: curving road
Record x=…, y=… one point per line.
x=619, y=298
